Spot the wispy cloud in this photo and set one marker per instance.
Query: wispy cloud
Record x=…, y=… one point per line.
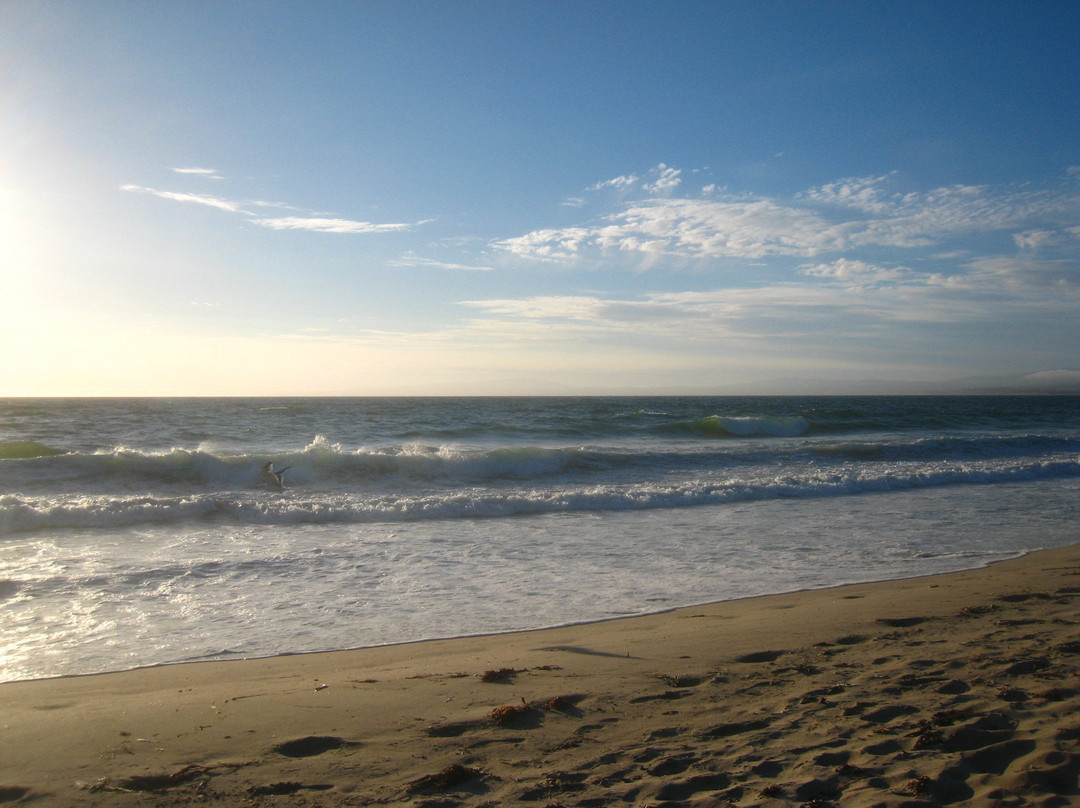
x=329, y=225
x=859, y=193
x=860, y=273
x=411, y=260
x=843, y=310
x=550, y=245
x=852, y=267
x=209, y=173
x=566, y=308
x=1042, y=239
x=835, y=218
x=318, y=224
x=260, y=203
x=1057, y=281
x=198, y=199
x=688, y=228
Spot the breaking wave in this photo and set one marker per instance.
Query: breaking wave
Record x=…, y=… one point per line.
x=20, y=513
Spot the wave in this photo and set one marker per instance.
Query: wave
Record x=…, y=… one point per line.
x=320, y=463
x=744, y=426
x=25, y=449
x=326, y=465
x=952, y=448
x=21, y=513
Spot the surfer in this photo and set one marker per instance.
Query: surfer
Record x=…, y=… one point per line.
x=275, y=479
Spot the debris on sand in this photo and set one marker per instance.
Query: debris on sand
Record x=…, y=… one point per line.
x=453, y=775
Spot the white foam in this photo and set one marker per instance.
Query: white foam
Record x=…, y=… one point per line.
x=162, y=595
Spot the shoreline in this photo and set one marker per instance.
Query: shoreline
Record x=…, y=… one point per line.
x=913, y=691
x=494, y=634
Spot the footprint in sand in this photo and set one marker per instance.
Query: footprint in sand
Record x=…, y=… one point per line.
x=977, y=611
x=1013, y=694
x=817, y=791
x=452, y=730
x=286, y=788
x=663, y=732
x=883, y=715
x=852, y=639
x=734, y=728
x=685, y=789
x=675, y=764
x=903, y=622
x=1058, y=694
x=768, y=768
x=683, y=680
x=889, y=747
x=954, y=687
x=1022, y=597
x=833, y=758
x=310, y=746
x=1052, y=773
x=760, y=656
x=554, y=783
x=995, y=759
x=987, y=730
x=667, y=695
x=1026, y=666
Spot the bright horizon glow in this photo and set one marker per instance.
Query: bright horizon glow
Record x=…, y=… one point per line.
x=547, y=198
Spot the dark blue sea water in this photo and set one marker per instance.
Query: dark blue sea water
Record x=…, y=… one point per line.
x=139, y=531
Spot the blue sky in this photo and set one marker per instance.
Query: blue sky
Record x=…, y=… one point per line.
x=213, y=198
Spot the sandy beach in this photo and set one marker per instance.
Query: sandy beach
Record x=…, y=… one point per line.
x=943, y=690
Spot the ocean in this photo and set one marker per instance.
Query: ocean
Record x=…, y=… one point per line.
x=139, y=532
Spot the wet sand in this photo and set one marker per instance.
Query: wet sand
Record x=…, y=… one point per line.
x=930, y=691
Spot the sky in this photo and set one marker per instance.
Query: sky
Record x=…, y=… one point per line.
x=453, y=198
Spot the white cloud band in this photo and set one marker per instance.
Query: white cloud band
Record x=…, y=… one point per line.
x=328, y=225
x=314, y=224
x=840, y=216
x=198, y=199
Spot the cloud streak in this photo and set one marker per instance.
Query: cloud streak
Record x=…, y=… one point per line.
x=412, y=260
x=209, y=173
x=198, y=199
x=845, y=308
x=316, y=224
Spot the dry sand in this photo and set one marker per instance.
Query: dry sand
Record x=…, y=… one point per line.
x=959, y=688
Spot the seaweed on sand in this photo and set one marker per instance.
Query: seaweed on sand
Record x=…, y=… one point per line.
x=453, y=775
